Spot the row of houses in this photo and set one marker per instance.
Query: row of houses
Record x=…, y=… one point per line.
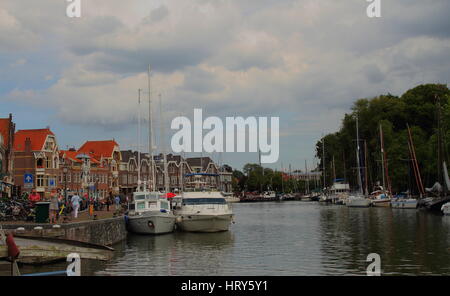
x=32, y=159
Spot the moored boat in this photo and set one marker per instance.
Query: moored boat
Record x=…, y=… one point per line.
x=404, y=203
x=150, y=213
x=203, y=212
x=446, y=209
x=355, y=201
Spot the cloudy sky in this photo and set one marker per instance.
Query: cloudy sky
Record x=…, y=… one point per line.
x=305, y=61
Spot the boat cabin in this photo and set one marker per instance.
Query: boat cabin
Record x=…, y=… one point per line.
x=148, y=201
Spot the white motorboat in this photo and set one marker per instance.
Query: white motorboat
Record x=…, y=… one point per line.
x=446, y=209
x=404, y=203
x=203, y=212
x=355, y=201
x=150, y=213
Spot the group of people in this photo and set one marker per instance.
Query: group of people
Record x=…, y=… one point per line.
x=74, y=204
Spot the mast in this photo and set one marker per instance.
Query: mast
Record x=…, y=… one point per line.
x=139, y=140
x=366, y=174
x=415, y=164
x=384, y=163
x=323, y=162
x=357, y=157
x=307, y=178
x=334, y=170
x=166, y=175
x=150, y=135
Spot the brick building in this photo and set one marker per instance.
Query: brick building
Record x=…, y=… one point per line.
x=203, y=174
x=7, y=129
x=36, y=153
x=75, y=179
x=104, y=154
x=128, y=171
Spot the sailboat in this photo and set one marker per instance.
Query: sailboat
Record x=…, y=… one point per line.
x=382, y=197
x=358, y=200
x=324, y=197
x=408, y=202
x=436, y=204
x=150, y=211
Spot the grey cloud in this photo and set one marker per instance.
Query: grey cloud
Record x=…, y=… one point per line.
x=156, y=15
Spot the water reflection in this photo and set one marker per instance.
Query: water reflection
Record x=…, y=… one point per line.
x=170, y=254
x=291, y=238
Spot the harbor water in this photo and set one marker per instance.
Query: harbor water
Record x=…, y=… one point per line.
x=289, y=238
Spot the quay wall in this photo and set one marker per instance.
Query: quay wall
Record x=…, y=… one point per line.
x=104, y=232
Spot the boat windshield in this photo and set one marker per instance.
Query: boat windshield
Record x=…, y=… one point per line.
x=202, y=201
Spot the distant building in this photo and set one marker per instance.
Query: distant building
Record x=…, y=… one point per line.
x=310, y=176
x=128, y=171
x=95, y=179
x=107, y=154
x=204, y=174
x=7, y=129
x=36, y=154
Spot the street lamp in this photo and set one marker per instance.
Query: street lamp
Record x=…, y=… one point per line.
x=65, y=171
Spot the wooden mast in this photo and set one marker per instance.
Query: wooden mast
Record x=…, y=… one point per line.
x=415, y=164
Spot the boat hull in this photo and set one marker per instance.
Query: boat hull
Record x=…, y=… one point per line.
x=385, y=203
x=358, y=203
x=151, y=223
x=404, y=204
x=205, y=223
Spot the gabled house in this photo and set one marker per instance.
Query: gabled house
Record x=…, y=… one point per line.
x=36, y=154
x=96, y=181
x=204, y=174
x=128, y=171
x=107, y=153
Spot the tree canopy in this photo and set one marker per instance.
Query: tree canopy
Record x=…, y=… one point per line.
x=417, y=107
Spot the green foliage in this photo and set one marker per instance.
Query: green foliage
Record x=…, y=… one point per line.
x=254, y=178
x=416, y=107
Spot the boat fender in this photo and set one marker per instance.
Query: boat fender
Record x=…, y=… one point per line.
x=13, y=250
x=150, y=224
x=179, y=219
x=163, y=211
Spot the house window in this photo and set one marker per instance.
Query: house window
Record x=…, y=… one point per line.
x=48, y=163
x=40, y=163
x=40, y=181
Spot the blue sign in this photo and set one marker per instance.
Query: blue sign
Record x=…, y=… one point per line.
x=51, y=183
x=28, y=180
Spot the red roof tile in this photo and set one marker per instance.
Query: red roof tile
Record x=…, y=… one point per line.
x=72, y=155
x=98, y=149
x=37, y=137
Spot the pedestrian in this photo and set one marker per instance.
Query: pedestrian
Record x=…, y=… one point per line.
x=54, y=206
x=117, y=202
x=75, y=204
x=34, y=197
x=109, y=200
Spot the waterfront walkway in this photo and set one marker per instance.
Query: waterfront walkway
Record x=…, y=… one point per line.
x=82, y=216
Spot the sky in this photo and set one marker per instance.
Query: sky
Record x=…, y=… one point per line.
x=304, y=61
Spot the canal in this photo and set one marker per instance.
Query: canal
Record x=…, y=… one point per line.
x=290, y=238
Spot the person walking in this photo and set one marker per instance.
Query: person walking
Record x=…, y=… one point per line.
x=54, y=206
x=109, y=201
x=75, y=204
x=117, y=202
x=34, y=197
